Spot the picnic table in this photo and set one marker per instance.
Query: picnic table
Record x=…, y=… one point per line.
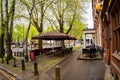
x=51, y=52
x=88, y=52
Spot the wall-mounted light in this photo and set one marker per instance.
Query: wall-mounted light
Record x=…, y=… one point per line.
x=99, y=6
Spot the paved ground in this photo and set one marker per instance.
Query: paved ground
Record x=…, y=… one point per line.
x=44, y=64
x=2, y=77
x=73, y=69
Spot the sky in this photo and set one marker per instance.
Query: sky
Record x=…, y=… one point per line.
x=89, y=16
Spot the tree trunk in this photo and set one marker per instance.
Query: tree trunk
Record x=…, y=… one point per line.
x=10, y=28
x=8, y=39
x=26, y=42
x=26, y=39
x=2, y=51
x=61, y=30
x=40, y=46
x=9, y=51
x=63, y=44
x=12, y=19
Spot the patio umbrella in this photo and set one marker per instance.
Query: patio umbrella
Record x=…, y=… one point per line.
x=52, y=35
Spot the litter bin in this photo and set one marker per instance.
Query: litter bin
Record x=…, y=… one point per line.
x=32, y=55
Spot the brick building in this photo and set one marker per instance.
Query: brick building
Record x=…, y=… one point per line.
x=107, y=23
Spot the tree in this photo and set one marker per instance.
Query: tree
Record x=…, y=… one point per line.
x=77, y=29
x=2, y=32
x=30, y=11
x=58, y=9
x=38, y=15
x=9, y=18
x=65, y=13
x=72, y=13
x=19, y=32
x=33, y=32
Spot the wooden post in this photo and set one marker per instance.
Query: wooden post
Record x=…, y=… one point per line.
x=14, y=65
x=57, y=73
x=23, y=65
x=7, y=60
x=74, y=42
x=2, y=59
x=35, y=69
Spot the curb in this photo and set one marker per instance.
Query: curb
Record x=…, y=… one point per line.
x=87, y=58
x=9, y=74
x=66, y=57
x=60, y=61
x=108, y=75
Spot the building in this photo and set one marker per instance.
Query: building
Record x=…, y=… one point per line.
x=89, y=36
x=107, y=23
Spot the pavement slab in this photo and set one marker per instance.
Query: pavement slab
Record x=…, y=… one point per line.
x=73, y=69
x=70, y=68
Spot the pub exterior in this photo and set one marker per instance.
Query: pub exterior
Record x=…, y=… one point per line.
x=106, y=15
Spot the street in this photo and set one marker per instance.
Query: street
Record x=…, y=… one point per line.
x=2, y=77
x=7, y=75
x=73, y=69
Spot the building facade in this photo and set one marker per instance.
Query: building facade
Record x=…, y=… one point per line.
x=107, y=23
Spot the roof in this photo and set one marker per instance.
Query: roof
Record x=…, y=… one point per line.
x=89, y=31
x=54, y=35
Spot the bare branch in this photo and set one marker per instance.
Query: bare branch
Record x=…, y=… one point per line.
x=52, y=23
x=48, y=6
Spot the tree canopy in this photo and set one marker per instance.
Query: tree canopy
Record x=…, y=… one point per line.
x=22, y=19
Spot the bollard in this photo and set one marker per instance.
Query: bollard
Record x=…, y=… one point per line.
x=35, y=69
x=23, y=54
x=23, y=65
x=57, y=73
x=14, y=65
x=26, y=58
x=15, y=53
x=7, y=61
x=2, y=60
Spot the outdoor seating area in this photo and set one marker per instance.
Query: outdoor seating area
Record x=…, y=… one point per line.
x=87, y=52
x=60, y=40
x=56, y=51
x=53, y=51
x=91, y=53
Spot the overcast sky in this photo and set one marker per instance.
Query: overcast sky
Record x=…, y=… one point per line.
x=89, y=16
